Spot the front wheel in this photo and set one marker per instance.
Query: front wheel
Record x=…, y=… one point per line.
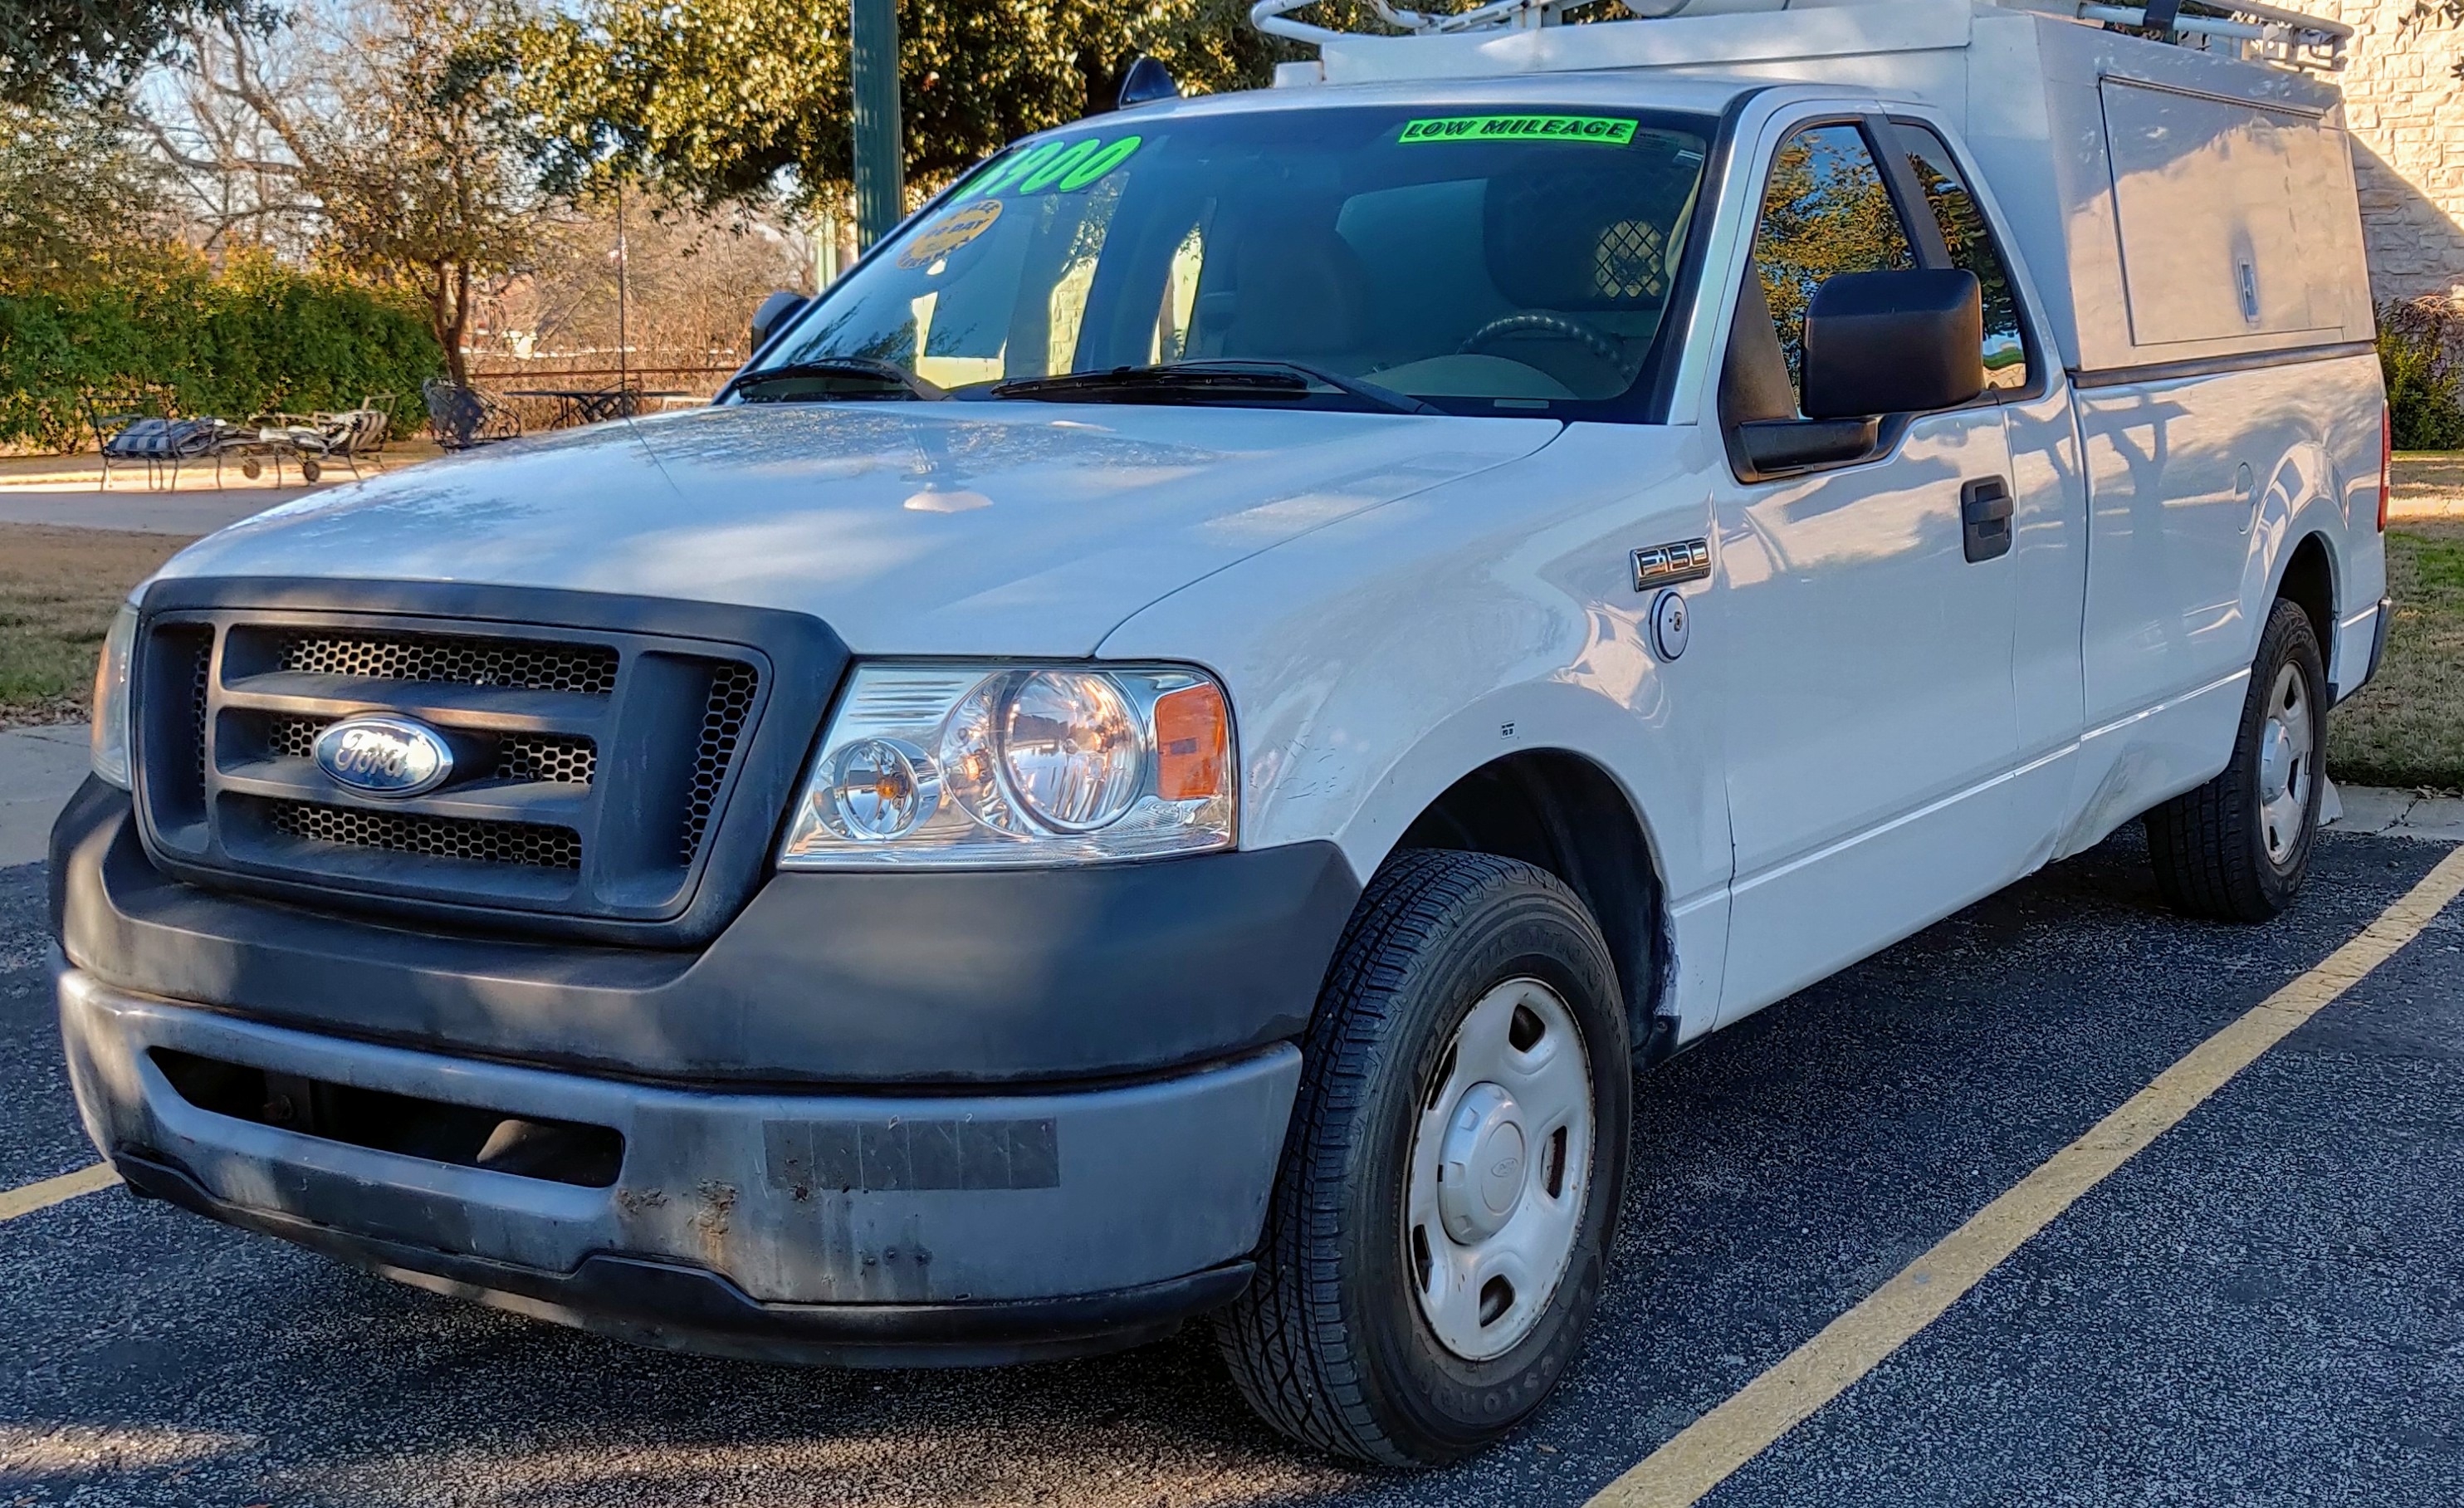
x=2237, y=849
x=1441, y=1223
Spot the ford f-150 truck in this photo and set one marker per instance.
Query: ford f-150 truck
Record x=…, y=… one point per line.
x=1178, y=740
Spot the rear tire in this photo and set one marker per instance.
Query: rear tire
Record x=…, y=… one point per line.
x=1471, y=1021
x=2237, y=849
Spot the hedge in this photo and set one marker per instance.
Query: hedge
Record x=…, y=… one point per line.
x=251, y=338
x=2420, y=343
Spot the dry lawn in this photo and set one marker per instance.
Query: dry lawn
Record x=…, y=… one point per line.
x=2407, y=727
x=58, y=588
x=2432, y=479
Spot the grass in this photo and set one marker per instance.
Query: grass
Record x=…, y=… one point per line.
x=58, y=588
x=2406, y=728
x=2427, y=475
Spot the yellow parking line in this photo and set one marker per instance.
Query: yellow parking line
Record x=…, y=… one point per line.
x=51, y=1192
x=1709, y=1450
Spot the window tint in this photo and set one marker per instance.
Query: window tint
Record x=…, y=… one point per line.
x=1825, y=211
x=1970, y=241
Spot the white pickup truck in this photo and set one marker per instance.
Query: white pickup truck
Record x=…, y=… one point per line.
x=1176, y=739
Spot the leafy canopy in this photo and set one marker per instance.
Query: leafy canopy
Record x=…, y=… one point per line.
x=721, y=100
x=77, y=197
x=55, y=48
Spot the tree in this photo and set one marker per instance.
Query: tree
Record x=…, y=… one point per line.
x=731, y=99
x=76, y=194
x=392, y=138
x=51, y=48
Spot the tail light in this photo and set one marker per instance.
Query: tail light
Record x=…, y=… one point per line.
x=2387, y=462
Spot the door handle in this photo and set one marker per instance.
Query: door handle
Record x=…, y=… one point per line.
x=1985, y=509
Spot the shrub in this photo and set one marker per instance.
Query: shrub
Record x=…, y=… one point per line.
x=2421, y=351
x=253, y=338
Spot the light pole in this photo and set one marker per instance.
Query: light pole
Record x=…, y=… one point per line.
x=880, y=158
x=624, y=269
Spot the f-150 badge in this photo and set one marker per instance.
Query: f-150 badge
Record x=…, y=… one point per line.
x=1666, y=565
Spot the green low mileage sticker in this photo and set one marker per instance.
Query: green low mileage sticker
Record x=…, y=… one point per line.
x=1602, y=129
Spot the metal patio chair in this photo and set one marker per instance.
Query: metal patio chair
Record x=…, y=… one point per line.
x=462, y=418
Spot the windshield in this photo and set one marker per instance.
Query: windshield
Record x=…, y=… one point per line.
x=1479, y=263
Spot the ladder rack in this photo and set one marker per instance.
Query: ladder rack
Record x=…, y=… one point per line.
x=2246, y=28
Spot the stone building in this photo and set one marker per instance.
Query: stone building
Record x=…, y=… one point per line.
x=2406, y=108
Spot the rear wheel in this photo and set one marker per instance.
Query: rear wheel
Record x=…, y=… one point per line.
x=2237, y=849
x=1440, y=1221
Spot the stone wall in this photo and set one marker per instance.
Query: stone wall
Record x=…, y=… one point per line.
x=2406, y=109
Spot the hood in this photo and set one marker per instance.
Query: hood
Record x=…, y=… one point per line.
x=949, y=528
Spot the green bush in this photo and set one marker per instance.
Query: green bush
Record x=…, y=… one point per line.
x=253, y=338
x=2418, y=352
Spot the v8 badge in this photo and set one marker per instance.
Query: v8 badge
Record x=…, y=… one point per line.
x=1671, y=623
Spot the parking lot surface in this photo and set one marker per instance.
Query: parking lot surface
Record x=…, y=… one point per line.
x=2266, y=1306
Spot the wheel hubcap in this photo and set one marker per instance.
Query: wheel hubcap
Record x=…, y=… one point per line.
x=1501, y=1162
x=1481, y=1166
x=2285, y=766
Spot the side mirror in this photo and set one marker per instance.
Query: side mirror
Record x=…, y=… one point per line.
x=1893, y=343
x=774, y=312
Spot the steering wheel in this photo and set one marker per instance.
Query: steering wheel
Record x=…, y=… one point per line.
x=1589, y=338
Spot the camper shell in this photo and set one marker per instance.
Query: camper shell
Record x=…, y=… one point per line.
x=2130, y=171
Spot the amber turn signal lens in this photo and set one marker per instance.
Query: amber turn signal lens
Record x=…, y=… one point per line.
x=1193, y=743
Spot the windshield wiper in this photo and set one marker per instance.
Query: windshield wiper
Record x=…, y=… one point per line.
x=1278, y=379
x=889, y=374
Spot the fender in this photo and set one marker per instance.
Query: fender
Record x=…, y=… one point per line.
x=2299, y=501
x=1374, y=662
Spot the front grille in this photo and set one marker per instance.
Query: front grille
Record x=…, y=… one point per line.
x=544, y=756
x=198, y=649
x=722, y=724
x=293, y=737
x=452, y=659
x=531, y=845
x=620, y=782
x=519, y=756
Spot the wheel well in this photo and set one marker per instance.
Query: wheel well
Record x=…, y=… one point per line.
x=1561, y=813
x=2309, y=582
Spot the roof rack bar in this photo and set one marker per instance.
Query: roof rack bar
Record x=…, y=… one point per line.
x=2284, y=36
x=1269, y=16
x=2261, y=31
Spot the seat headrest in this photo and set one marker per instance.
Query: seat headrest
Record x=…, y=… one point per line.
x=1301, y=291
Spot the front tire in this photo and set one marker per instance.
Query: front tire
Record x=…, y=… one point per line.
x=1441, y=1222
x=2237, y=849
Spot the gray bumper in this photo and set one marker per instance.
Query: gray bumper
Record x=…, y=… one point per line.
x=843, y=1227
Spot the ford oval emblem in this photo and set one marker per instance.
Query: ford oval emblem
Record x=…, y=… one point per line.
x=385, y=756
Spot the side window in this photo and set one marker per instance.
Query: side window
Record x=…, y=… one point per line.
x=1825, y=211
x=1970, y=243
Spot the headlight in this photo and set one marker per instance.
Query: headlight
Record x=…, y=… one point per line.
x=978, y=765
x=111, y=699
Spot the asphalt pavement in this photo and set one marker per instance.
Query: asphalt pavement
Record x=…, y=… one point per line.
x=196, y=510
x=2261, y=1308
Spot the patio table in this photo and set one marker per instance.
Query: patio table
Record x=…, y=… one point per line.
x=591, y=405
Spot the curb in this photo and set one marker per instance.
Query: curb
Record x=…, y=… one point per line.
x=2379, y=812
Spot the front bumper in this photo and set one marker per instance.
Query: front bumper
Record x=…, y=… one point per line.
x=856, y=1229
x=921, y=980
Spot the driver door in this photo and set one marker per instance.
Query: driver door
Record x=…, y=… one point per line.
x=1871, y=715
